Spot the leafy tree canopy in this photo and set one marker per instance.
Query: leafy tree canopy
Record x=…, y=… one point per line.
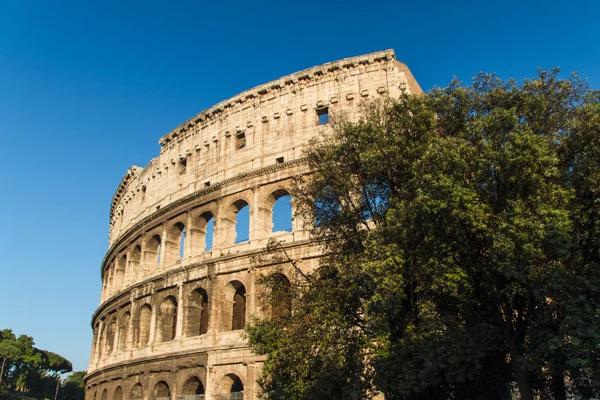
x=28, y=370
x=462, y=248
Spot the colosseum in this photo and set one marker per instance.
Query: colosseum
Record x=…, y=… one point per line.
x=179, y=277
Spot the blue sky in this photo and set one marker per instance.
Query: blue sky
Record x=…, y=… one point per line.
x=87, y=88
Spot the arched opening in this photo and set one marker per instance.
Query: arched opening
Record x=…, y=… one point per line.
x=109, y=274
x=124, y=331
x=152, y=252
x=231, y=387
x=102, y=340
x=204, y=232
x=161, y=391
x=105, y=282
x=110, y=335
x=119, y=278
x=182, y=243
x=242, y=221
x=238, y=320
x=197, y=313
x=280, y=298
x=175, y=246
x=95, y=343
x=135, y=257
x=118, y=394
x=193, y=389
x=281, y=212
x=233, y=314
x=237, y=390
x=137, y=392
x=142, y=326
x=209, y=235
x=104, y=395
x=167, y=322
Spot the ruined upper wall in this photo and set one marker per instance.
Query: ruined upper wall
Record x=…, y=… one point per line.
x=263, y=126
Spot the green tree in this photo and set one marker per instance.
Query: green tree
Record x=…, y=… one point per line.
x=26, y=369
x=461, y=236
x=74, y=386
x=57, y=365
x=9, y=351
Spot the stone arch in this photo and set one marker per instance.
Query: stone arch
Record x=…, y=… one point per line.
x=110, y=335
x=203, y=232
x=242, y=222
x=137, y=392
x=236, y=222
x=279, y=208
x=120, y=268
x=124, y=331
x=102, y=339
x=118, y=393
x=142, y=325
x=167, y=319
x=280, y=297
x=175, y=243
x=135, y=258
x=105, y=283
x=95, y=343
x=193, y=387
x=152, y=251
x=233, y=315
x=109, y=275
x=104, y=395
x=161, y=391
x=231, y=387
x=197, y=313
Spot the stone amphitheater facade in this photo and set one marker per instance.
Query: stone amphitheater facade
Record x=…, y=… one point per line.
x=174, y=302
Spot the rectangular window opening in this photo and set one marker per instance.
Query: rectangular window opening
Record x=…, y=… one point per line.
x=323, y=114
x=240, y=140
x=279, y=160
x=182, y=166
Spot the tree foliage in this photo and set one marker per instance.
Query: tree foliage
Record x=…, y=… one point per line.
x=462, y=249
x=26, y=369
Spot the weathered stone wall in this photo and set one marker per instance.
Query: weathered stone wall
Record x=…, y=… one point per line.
x=168, y=323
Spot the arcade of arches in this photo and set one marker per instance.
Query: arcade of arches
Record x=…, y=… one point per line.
x=179, y=280
x=178, y=387
x=192, y=234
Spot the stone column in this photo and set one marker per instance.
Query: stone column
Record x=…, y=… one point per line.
x=153, y=322
x=209, y=384
x=163, y=247
x=127, y=272
x=188, y=252
x=215, y=304
x=251, y=297
x=117, y=337
x=179, y=328
x=143, y=267
x=255, y=223
x=109, y=283
x=250, y=387
x=94, y=357
x=130, y=344
x=99, y=342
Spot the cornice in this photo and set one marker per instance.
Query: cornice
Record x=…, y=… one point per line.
x=264, y=89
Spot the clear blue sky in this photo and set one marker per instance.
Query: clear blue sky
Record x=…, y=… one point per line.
x=87, y=89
